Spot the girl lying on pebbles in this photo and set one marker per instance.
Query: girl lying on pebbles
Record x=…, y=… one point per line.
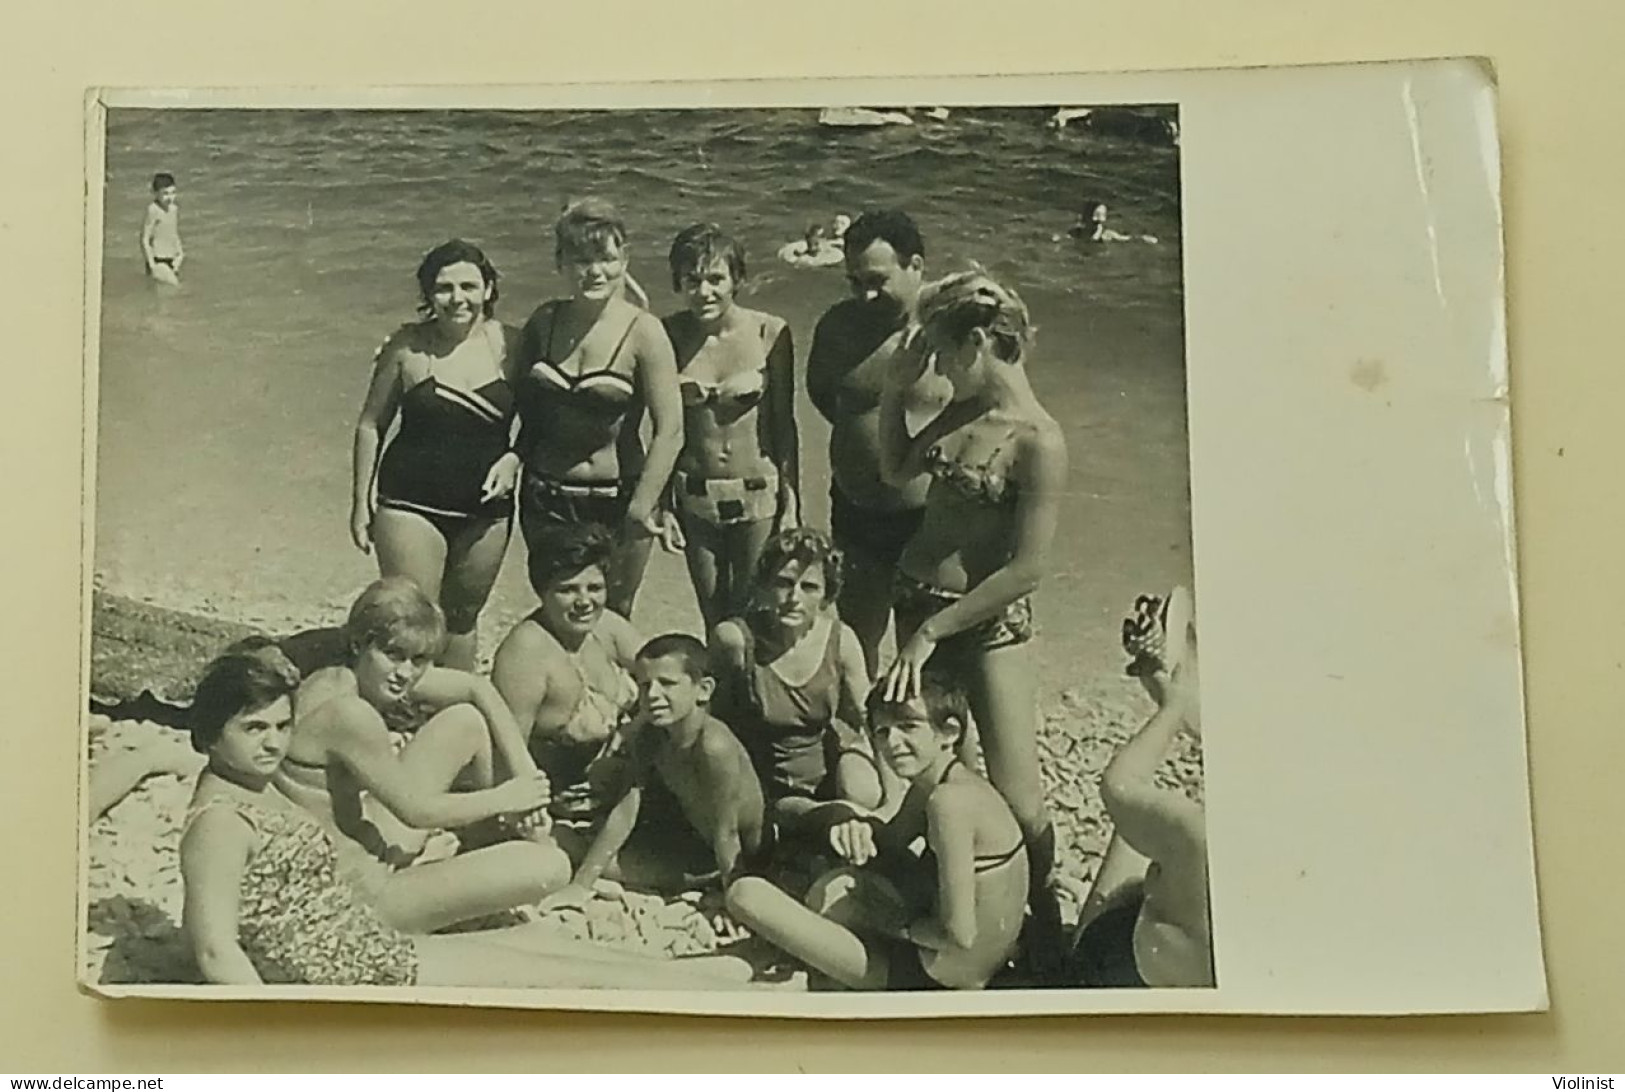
x=1147, y=922
x=947, y=919
x=266, y=901
x=465, y=764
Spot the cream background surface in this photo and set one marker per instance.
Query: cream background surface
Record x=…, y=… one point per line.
x=1561, y=172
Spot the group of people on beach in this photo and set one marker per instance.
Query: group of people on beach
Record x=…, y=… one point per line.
x=830, y=802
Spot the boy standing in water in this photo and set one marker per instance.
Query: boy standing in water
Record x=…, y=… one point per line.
x=161, y=248
x=679, y=743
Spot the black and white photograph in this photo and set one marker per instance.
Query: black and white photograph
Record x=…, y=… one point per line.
x=643, y=549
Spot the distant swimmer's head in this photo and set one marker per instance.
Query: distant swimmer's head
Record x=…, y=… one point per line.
x=885, y=259
x=456, y=283
x=838, y=228
x=163, y=189
x=569, y=574
x=1093, y=212
x=815, y=238
x=589, y=245
x=970, y=320
x=707, y=267
x=242, y=709
x=394, y=632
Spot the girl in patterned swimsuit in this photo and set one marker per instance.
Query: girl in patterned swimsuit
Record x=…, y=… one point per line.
x=265, y=901
x=737, y=478
x=444, y=508
x=998, y=465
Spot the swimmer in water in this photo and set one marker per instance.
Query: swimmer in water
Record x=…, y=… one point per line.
x=1091, y=227
x=161, y=249
x=815, y=248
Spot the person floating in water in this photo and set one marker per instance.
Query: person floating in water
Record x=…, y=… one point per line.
x=816, y=248
x=1091, y=227
x=161, y=249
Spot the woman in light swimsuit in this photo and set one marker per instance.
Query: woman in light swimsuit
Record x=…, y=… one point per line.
x=463, y=768
x=946, y=919
x=267, y=902
x=737, y=477
x=589, y=366
x=444, y=507
x=565, y=670
x=998, y=463
x=791, y=683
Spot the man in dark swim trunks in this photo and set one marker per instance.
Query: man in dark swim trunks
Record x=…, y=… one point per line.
x=870, y=520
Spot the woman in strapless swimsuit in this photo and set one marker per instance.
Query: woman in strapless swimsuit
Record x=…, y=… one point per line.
x=946, y=918
x=998, y=465
x=444, y=506
x=266, y=901
x=588, y=368
x=737, y=478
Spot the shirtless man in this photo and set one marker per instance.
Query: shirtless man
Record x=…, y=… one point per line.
x=1156, y=932
x=870, y=520
x=565, y=670
x=679, y=744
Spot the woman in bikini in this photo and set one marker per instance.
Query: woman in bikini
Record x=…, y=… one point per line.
x=565, y=671
x=998, y=463
x=444, y=506
x=948, y=918
x=266, y=901
x=589, y=366
x=463, y=768
x=737, y=476
x=791, y=684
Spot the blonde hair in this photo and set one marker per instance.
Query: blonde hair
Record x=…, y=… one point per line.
x=962, y=302
x=394, y=609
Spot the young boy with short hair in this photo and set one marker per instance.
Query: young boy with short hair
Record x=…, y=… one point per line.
x=161, y=247
x=676, y=742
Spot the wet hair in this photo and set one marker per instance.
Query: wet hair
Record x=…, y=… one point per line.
x=588, y=227
x=941, y=695
x=892, y=226
x=247, y=676
x=685, y=648
x=699, y=245
x=1087, y=212
x=162, y=180
x=564, y=550
x=394, y=610
x=803, y=546
x=450, y=253
x=963, y=302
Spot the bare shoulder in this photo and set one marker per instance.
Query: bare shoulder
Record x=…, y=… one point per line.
x=1041, y=442
x=216, y=826
x=320, y=688
x=728, y=638
x=623, y=635
x=526, y=643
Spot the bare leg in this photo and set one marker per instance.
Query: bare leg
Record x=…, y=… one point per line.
x=472, y=560
x=540, y=939
x=452, y=749
x=427, y=897
x=865, y=603
x=625, y=574
x=409, y=545
x=807, y=935
x=704, y=543
x=745, y=542
x=470, y=960
x=1003, y=702
x=1119, y=869
x=116, y=775
x=858, y=778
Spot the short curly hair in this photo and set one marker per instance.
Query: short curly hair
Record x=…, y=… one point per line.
x=565, y=549
x=803, y=546
x=248, y=675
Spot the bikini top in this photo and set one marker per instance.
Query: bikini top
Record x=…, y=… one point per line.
x=431, y=405
x=604, y=391
x=982, y=862
x=597, y=713
x=977, y=483
x=742, y=389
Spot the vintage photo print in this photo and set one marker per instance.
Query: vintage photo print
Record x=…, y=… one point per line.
x=620, y=552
